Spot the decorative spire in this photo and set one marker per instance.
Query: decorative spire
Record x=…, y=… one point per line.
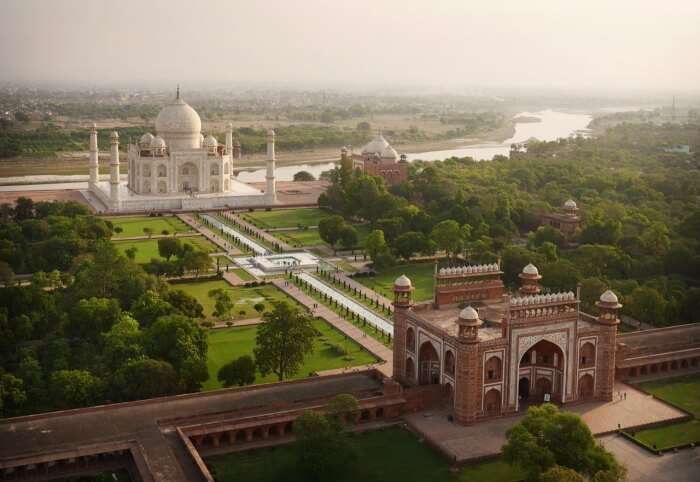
x=177, y=95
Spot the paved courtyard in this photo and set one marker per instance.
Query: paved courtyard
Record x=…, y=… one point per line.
x=486, y=438
x=643, y=466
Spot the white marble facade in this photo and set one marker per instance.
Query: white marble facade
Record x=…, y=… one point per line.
x=177, y=168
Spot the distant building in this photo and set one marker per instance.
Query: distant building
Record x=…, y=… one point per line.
x=567, y=220
x=178, y=168
x=378, y=158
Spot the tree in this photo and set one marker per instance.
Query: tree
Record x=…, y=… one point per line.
x=549, y=251
x=324, y=451
x=181, y=342
x=348, y=237
x=196, y=261
x=148, y=232
x=118, y=229
x=548, y=438
x=547, y=234
x=184, y=303
x=12, y=394
x=223, y=303
x=283, y=341
x=7, y=276
x=302, y=176
x=560, y=275
x=558, y=473
x=330, y=229
x=145, y=378
x=92, y=316
x=169, y=247
x=448, y=236
x=601, y=231
x=378, y=250
x=646, y=304
x=410, y=243
x=363, y=126
x=74, y=388
x=131, y=252
x=259, y=307
x=240, y=371
x=342, y=408
x=149, y=307
x=122, y=342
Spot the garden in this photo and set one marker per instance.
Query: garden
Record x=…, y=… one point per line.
x=230, y=343
x=147, y=249
x=683, y=392
x=420, y=274
x=391, y=454
x=286, y=218
x=133, y=226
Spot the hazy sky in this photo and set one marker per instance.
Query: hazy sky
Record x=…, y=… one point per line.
x=578, y=44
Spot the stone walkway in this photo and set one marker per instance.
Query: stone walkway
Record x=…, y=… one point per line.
x=233, y=279
x=260, y=232
x=486, y=438
x=157, y=236
x=371, y=294
x=246, y=322
x=375, y=347
x=643, y=466
x=209, y=234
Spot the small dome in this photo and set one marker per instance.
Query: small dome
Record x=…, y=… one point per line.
x=114, y=135
x=210, y=141
x=146, y=139
x=157, y=143
x=570, y=204
x=469, y=314
x=376, y=145
x=530, y=269
x=608, y=297
x=390, y=153
x=403, y=281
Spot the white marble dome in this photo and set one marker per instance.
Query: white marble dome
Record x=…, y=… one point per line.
x=469, y=314
x=608, y=297
x=180, y=125
x=157, y=143
x=210, y=141
x=403, y=281
x=146, y=139
x=376, y=145
x=531, y=269
x=390, y=153
x=570, y=204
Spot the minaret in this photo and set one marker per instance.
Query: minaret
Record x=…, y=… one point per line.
x=609, y=307
x=114, y=171
x=403, y=301
x=229, y=139
x=468, y=375
x=270, y=192
x=94, y=159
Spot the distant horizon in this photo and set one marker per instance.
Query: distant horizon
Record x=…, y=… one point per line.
x=451, y=45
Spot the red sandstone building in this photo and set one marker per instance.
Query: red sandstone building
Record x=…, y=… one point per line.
x=567, y=220
x=378, y=158
x=517, y=349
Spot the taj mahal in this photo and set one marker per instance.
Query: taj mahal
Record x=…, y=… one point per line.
x=177, y=168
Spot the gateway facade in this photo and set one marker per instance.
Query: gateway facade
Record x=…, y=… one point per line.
x=178, y=168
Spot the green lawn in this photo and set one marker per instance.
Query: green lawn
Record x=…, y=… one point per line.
x=230, y=343
x=148, y=248
x=300, y=237
x=134, y=226
x=681, y=391
x=286, y=218
x=244, y=298
x=421, y=275
x=387, y=455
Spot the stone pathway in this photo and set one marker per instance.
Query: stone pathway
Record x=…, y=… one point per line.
x=463, y=443
x=643, y=466
x=375, y=347
x=283, y=246
x=371, y=294
x=157, y=236
x=218, y=240
x=245, y=322
x=233, y=279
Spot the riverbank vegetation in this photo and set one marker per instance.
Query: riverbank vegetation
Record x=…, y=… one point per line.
x=639, y=203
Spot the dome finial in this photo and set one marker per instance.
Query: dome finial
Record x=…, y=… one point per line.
x=177, y=95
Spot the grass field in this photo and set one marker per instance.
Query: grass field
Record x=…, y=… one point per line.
x=230, y=343
x=681, y=391
x=391, y=454
x=132, y=227
x=244, y=298
x=300, y=237
x=421, y=275
x=148, y=248
x=286, y=218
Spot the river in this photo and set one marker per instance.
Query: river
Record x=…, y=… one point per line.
x=553, y=125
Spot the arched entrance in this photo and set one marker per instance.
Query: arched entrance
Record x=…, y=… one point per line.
x=189, y=177
x=543, y=363
x=410, y=369
x=524, y=388
x=543, y=388
x=585, y=386
x=492, y=402
x=429, y=363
